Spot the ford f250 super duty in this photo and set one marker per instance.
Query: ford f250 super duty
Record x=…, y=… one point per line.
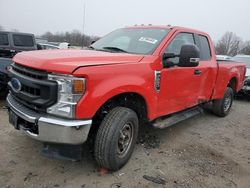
x=134, y=75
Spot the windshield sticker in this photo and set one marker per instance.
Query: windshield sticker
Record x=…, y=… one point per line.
x=149, y=40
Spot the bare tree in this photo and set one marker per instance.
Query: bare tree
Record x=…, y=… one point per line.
x=75, y=38
x=229, y=44
x=245, y=49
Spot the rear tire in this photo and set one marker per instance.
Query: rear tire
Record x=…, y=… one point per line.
x=116, y=138
x=222, y=107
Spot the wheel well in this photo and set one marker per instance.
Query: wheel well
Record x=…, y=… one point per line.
x=232, y=83
x=133, y=101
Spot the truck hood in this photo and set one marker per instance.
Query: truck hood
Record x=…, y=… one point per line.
x=66, y=61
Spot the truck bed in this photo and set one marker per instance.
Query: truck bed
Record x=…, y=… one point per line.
x=228, y=70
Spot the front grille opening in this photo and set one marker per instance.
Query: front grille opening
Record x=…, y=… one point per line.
x=30, y=90
x=37, y=92
x=30, y=105
x=29, y=72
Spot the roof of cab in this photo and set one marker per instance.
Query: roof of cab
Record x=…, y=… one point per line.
x=168, y=27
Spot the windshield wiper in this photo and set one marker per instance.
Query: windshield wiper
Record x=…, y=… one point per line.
x=91, y=47
x=116, y=49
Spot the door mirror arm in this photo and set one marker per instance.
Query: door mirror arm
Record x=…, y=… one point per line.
x=165, y=62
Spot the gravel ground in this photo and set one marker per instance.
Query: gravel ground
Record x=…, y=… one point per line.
x=205, y=151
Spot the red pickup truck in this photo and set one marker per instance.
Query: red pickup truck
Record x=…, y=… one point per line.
x=157, y=74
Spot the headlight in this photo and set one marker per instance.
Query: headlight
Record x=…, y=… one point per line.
x=70, y=90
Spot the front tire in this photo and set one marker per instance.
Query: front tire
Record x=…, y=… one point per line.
x=222, y=107
x=116, y=138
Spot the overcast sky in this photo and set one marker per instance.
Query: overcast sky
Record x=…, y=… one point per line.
x=102, y=16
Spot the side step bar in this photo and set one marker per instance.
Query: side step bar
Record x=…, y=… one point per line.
x=177, y=117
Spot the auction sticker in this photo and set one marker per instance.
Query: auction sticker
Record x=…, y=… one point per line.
x=149, y=40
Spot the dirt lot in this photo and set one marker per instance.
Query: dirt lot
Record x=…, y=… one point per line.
x=205, y=151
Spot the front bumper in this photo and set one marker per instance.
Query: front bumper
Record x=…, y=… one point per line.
x=49, y=129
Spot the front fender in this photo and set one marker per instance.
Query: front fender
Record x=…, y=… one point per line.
x=105, y=85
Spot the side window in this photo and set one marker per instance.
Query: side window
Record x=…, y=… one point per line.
x=176, y=44
x=4, y=41
x=203, y=44
x=23, y=40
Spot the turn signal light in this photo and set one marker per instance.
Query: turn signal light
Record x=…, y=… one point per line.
x=78, y=86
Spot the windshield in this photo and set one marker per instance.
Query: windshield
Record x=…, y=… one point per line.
x=132, y=40
x=245, y=60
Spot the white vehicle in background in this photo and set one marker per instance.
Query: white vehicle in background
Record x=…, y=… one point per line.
x=64, y=45
x=223, y=57
x=244, y=59
x=46, y=46
x=53, y=45
x=60, y=45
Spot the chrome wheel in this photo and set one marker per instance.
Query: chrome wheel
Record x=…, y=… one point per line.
x=227, y=102
x=125, y=139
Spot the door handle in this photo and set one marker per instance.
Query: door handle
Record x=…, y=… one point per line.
x=197, y=72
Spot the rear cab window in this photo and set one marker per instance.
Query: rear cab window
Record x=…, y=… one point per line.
x=4, y=40
x=205, y=52
x=23, y=40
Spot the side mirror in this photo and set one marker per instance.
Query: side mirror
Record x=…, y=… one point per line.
x=189, y=56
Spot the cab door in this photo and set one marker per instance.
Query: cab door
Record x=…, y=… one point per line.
x=179, y=85
x=207, y=66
